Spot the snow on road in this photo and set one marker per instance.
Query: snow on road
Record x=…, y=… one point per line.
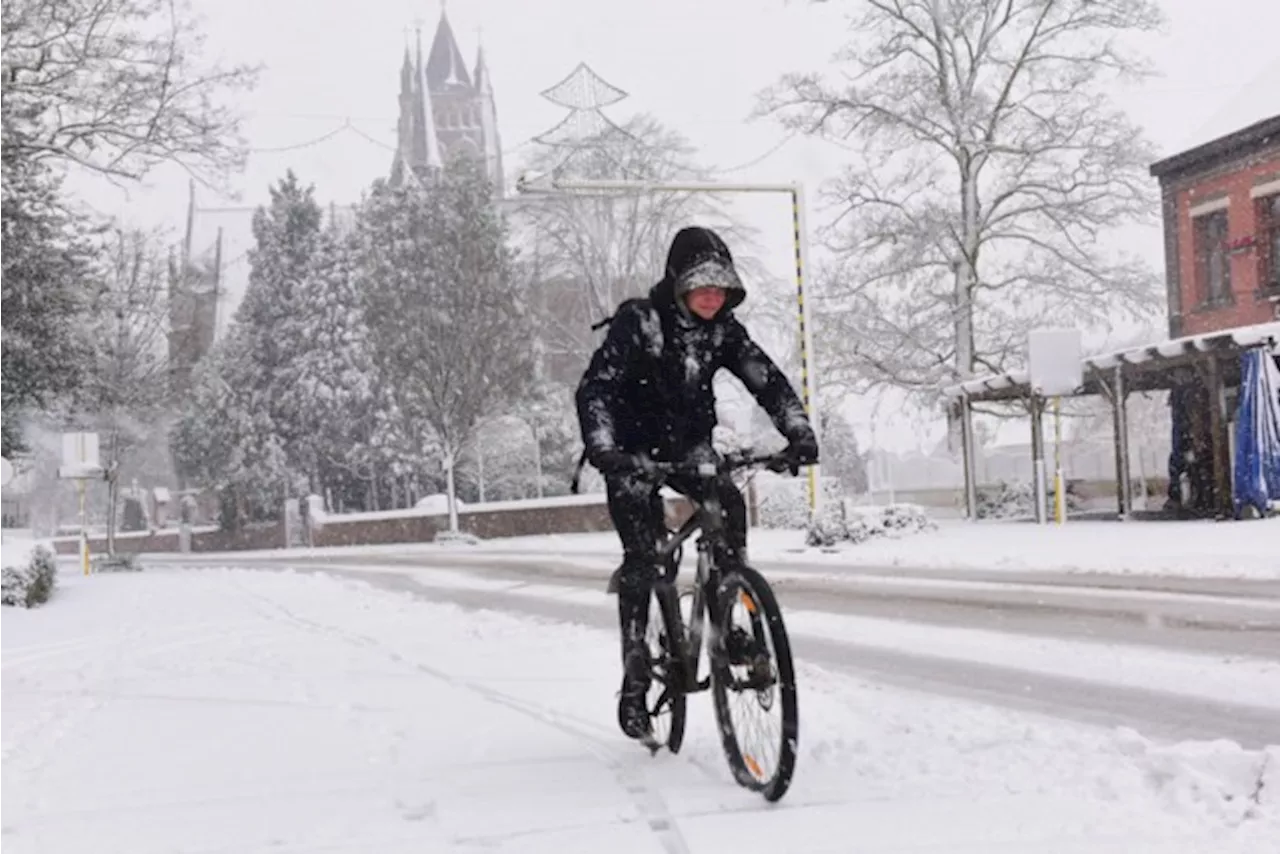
x=223, y=710
x=1185, y=548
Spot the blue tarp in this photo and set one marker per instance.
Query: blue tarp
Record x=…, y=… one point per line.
x=1257, y=471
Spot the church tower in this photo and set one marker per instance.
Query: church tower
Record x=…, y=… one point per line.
x=446, y=111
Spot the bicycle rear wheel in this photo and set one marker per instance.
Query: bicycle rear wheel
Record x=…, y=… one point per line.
x=664, y=638
x=754, y=685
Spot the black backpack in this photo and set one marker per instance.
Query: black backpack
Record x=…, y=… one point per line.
x=582, y=459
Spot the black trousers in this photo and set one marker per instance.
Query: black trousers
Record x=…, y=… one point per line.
x=637, y=513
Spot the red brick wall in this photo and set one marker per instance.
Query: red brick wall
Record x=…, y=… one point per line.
x=1247, y=305
x=487, y=524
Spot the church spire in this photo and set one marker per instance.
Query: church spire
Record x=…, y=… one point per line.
x=492, y=150
x=426, y=147
x=445, y=66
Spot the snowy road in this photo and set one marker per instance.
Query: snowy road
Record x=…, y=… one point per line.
x=227, y=711
x=1135, y=617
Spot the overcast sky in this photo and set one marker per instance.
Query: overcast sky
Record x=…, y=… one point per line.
x=694, y=64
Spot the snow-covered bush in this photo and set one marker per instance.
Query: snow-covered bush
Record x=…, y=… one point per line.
x=1017, y=500
x=31, y=580
x=782, y=501
x=850, y=524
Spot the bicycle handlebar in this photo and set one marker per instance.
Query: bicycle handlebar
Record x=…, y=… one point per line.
x=730, y=462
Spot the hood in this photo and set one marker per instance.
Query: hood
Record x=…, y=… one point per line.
x=698, y=257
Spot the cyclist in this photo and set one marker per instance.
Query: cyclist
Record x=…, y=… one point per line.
x=647, y=395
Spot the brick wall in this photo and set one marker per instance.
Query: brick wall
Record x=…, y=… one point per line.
x=519, y=521
x=1230, y=183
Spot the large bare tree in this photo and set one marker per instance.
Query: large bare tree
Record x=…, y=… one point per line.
x=117, y=87
x=591, y=250
x=124, y=392
x=988, y=169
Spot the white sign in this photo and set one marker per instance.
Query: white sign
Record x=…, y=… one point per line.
x=1053, y=357
x=80, y=455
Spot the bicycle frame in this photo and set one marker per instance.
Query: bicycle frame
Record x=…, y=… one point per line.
x=708, y=519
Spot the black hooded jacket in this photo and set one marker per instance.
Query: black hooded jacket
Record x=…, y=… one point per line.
x=648, y=388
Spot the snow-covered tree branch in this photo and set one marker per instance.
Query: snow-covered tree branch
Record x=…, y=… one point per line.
x=117, y=87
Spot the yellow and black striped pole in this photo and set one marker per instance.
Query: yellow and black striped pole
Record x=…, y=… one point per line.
x=800, y=240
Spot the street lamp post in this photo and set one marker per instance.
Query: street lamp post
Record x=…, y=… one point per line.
x=800, y=239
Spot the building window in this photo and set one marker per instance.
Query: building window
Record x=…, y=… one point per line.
x=1268, y=218
x=1213, y=264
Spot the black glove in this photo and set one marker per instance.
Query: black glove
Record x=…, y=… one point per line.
x=614, y=462
x=800, y=452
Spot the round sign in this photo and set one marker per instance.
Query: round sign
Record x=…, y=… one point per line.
x=6, y=471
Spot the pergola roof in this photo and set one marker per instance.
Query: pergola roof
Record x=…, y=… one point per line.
x=1146, y=364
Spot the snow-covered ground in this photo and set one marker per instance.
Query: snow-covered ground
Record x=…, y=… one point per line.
x=1192, y=548
x=1196, y=548
x=225, y=710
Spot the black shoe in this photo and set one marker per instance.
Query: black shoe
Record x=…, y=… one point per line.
x=633, y=713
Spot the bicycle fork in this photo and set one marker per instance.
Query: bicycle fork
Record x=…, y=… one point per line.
x=703, y=605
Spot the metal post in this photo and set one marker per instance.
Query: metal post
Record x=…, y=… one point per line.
x=970, y=462
x=1120, y=425
x=537, y=456
x=84, y=527
x=1059, y=483
x=1037, y=456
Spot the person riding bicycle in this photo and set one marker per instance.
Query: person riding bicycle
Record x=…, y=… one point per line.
x=647, y=396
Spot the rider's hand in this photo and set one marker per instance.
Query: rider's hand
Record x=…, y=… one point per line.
x=615, y=462
x=799, y=452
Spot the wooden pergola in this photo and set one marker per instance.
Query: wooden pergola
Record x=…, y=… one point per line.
x=1214, y=356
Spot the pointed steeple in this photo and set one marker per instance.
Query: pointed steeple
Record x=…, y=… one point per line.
x=481, y=74
x=446, y=67
x=426, y=148
x=405, y=124
x=489, y=123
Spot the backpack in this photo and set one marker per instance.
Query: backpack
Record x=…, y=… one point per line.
x=595, y=327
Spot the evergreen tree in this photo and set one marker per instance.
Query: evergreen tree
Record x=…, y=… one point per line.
x=446, y=317
x=49, y=282
x=274, y=318
x=334, y=378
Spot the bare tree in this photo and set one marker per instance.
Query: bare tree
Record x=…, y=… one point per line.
x=125, y=390
x=988, y=168
x=447, y=324
x=116, y=87
x=591, y=250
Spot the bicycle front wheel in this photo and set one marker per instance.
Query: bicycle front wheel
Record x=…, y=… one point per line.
x=666, y=699
x=754, y=685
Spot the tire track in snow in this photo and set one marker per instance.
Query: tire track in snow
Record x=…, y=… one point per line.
x=650, y=803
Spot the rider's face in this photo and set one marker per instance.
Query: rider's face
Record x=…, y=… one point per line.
x=705, y=302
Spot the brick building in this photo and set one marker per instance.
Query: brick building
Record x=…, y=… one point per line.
x=1221, y=203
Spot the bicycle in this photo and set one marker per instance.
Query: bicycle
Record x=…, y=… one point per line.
x=739, y=660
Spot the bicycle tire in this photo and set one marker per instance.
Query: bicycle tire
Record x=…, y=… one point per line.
x=745, y=769
x=672, y=659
